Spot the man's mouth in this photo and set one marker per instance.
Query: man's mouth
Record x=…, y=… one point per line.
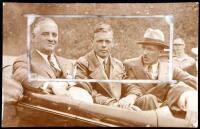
x=103, y=51
x=145, y=58
x=51, y=44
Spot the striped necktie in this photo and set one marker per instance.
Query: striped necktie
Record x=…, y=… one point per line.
x=150, y=72
x=56, y=71
x=106, y=68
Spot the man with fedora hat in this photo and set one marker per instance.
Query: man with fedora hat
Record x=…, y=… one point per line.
x=148, y=67
x=181, y=59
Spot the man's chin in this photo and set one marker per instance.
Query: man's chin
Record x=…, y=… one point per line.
x=147, y=62
x=103, y=56
x=49, y=51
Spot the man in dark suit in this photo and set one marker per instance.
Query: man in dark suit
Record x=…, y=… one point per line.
x=179, y=97
x=45, y=64
x=98, y=64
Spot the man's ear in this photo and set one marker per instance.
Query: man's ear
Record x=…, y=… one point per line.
x=113, y=44
x=161, y=51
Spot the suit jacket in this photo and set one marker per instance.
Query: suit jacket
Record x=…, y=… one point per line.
x=135, y=70
x=39, y=68
x=88, y=67
x=186, y=63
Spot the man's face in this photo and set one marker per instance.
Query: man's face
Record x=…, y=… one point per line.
x=46, y=37
x=103, y=43
x=178, y=48
x=150, y=54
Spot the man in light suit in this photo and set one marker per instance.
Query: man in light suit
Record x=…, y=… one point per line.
x=181, y=59
x=98, y=64
x=45, y=64
x=179, y=97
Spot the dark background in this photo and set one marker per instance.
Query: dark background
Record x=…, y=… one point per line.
x=75, y=34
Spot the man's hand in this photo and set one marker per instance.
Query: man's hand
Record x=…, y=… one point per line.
x=188, y=102
x=58, y=88
x=127, y=101
x=115, y=104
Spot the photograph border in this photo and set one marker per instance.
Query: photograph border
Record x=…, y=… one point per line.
x=168, y=18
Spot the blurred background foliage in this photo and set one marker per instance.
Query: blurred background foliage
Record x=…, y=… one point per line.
x=75, y=35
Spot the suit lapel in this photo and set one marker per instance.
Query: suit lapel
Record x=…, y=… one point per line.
x=38, y=61
x=140, y=72
x=115, y=88
x=98, y=73
x=97, y=70
x=64, y=68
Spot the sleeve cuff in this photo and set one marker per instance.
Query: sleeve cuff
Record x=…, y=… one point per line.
x=110, y=101
x=45, y=85
x=138, y=94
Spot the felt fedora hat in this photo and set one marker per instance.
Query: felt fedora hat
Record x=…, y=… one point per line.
x=154, y=37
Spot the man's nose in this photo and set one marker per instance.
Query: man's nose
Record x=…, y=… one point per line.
x=145, y=52
x=50, y=37
x=104, y=44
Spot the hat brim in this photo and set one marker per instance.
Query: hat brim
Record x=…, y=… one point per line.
x=161, y=44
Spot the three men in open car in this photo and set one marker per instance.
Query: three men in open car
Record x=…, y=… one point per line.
x=100, y=65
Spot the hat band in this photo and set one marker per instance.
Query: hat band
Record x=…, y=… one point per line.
x=152, y=40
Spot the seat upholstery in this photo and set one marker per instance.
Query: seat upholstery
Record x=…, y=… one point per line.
x=12, y=90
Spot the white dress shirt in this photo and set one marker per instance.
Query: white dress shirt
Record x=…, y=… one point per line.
x=183, y=62
x=53, y=59
x=153, y=71
x=45, y=57
x=101, y=60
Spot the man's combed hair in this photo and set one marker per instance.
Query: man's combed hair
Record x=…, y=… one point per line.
x=102, y=27
x=39, y=20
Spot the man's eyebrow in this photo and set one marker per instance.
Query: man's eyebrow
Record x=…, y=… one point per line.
x=45, y=32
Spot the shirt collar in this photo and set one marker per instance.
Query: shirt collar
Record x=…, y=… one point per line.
x=102, y=60
x=45, y=56
x=155, y=66
x=53, y=59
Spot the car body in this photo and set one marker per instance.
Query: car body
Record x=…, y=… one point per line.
x=39, y=110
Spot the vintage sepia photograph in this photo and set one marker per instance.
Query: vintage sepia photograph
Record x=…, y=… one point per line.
x=100, y=64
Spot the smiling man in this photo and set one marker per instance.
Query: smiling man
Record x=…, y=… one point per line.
x=45, y=64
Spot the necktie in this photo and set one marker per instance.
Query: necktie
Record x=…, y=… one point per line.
x=106, y=68
x=150, y=72
x=56, y=71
